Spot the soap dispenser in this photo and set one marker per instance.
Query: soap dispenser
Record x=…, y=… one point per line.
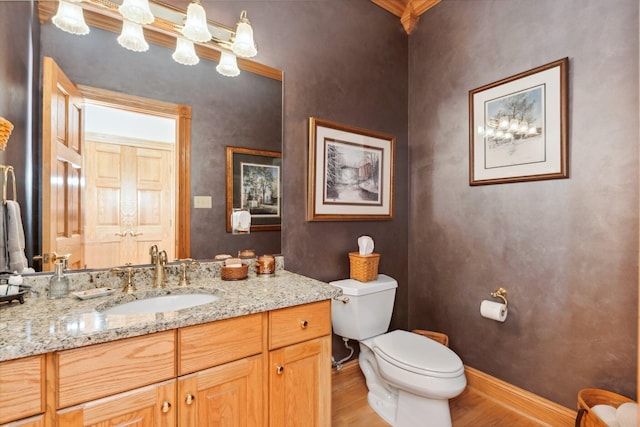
x=59, y=282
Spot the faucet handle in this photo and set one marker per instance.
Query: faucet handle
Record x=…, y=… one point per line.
x=64, y=258
x=128, y=287
x=188, y=264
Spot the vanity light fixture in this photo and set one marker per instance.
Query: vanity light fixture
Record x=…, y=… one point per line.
x=243, y=44
x=70, y=18
x=137, y=11
x=228, y=65
x=164, y=24
x=132, y=37
x=196, y=27
x=185, y=53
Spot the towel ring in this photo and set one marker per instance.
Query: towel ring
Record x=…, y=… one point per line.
x=7, y=170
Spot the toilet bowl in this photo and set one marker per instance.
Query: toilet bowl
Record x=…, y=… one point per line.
x=410, y=377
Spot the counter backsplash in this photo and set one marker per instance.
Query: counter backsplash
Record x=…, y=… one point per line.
x=142, y=276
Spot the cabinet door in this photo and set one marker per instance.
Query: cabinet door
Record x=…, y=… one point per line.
x=229, y=395
x=21, y=388
x=300, y=384
x=151, y=406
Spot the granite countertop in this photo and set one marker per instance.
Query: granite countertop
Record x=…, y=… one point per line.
x=41, y=325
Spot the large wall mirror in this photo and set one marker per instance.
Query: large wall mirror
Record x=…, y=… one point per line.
x=243, y=111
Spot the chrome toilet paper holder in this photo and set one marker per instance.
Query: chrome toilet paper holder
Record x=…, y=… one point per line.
x=502, y=294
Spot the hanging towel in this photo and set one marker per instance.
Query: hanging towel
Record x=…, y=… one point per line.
x=15, y=237
x=4, y=250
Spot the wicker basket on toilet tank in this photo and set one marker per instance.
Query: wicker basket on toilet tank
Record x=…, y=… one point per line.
x=363, y=268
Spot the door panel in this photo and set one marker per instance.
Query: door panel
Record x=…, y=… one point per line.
x=62, y=162
x=130, y=202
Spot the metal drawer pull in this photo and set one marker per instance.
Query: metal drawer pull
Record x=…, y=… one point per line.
x=304, y=324
x=190, y=398
x=166, y=406
x=280, y=370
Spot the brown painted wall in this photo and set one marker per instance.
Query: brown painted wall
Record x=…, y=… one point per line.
x=344, y=61
x=17, y=82
x=566, y=250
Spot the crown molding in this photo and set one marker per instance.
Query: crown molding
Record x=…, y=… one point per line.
x=408, y=11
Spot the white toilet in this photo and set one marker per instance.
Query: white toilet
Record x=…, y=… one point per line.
x=410, y=377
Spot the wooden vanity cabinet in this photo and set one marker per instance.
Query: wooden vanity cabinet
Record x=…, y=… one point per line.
x=299, y=367
x=271, y=368
x=22, y=390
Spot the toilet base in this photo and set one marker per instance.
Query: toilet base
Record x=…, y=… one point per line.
x=412, y=410
x=385, y=408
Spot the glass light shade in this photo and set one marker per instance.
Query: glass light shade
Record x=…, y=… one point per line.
x=228, y=65
x=132, y=37
x=137, y=11
x=69, y=18
x=243, y=44
x=196, y=27
x=185, y=53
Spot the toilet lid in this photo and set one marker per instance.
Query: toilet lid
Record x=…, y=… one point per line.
x=417, y=354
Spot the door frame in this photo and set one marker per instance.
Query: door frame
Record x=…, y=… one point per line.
x=182, y=115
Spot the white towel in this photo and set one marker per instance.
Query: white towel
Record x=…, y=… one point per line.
x=15, y=238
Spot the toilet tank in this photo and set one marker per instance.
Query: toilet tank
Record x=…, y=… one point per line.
x=368, y=312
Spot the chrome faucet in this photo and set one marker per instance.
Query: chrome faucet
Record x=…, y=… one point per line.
x=159, y=261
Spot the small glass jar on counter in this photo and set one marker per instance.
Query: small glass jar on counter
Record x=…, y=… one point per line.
x=266, y=265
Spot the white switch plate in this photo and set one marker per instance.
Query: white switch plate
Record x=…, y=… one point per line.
x=202, y=202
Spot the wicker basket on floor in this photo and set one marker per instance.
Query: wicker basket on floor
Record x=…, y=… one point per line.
x=363, y=267
x=590, y=397
x=436, y=336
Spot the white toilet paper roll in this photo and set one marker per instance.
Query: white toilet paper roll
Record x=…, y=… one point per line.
x=493, y=310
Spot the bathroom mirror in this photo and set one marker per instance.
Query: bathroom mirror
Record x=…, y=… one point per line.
x=243, y=111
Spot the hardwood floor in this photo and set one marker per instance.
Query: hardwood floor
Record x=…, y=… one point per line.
x=471, y=408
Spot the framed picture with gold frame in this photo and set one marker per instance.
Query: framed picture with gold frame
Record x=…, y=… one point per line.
x=518, y=127
x=254, y=184
x=350, y=173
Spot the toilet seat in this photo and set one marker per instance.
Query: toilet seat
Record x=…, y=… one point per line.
x=417, y=354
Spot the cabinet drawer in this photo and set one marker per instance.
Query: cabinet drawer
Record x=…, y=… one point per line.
x=299, y=323
x=89, y=373
x=215, y=343
x=21, y=388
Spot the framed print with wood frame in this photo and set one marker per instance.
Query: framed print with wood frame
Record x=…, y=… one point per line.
x=350, y=173
x=254, y=185
x=518, y=127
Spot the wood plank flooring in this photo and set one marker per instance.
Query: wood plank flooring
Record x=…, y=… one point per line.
x=470, y=409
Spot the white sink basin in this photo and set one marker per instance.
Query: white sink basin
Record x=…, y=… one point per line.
x=161, y=304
